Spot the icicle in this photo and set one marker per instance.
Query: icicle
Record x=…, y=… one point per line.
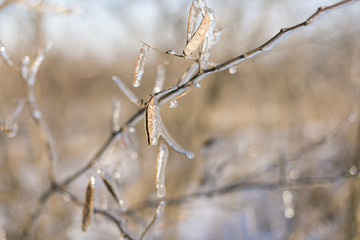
x=88, y=204
x=208, y=41
x=173, y=103
x=193, y=15
x=113, y=192
x=172, y=143
x=198, y=37
x=188, y=74
x=232, y=69
x=152, y=122
x=160, y=79
x=160, y=170
x=139, y=67
x=116, y=115
x=128, y=93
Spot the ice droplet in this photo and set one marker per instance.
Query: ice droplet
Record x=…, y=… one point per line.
x=36, y=114
x=131, y=129
x=232, y=69
x=353, y=170
x=173, y=103
x=289, y=213
x=12, y=130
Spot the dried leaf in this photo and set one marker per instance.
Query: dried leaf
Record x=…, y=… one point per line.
x=193, y=15
x=198, y=37
x=208, y=40
x=110, y=189
x=88, y=204
x=160, y=170
x=152, y=122
x=152, y=117
x=139, y=67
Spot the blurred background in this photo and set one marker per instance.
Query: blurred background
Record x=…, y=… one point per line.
x=294, y=106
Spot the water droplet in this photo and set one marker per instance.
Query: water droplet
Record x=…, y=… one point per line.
x=289, y=213
x=116, y=174
x=173, y=104
x=12, y=130
x=66, y=197
x=26, y=60
x=352, y=117
x=294, y=174
x=131, y=129
x=353, y=170
x=190, y=155
x=36, y=114
x=232, y=69
x=287, y=197
x=197, y=85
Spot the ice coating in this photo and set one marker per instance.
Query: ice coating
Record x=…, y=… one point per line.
x=139, y=67
x=160, y=170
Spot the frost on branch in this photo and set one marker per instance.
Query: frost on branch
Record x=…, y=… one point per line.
x=5, y=56
x=88, y=204
x=188, y=74
x=128, y=93
x=10, y=128
x=157, y=217
x=160, y=170
x=139, y=67
x=37, y=63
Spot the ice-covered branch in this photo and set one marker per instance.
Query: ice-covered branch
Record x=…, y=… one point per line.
x=10, y=127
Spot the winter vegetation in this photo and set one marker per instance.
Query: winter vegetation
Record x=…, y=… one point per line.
x=188, y=120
